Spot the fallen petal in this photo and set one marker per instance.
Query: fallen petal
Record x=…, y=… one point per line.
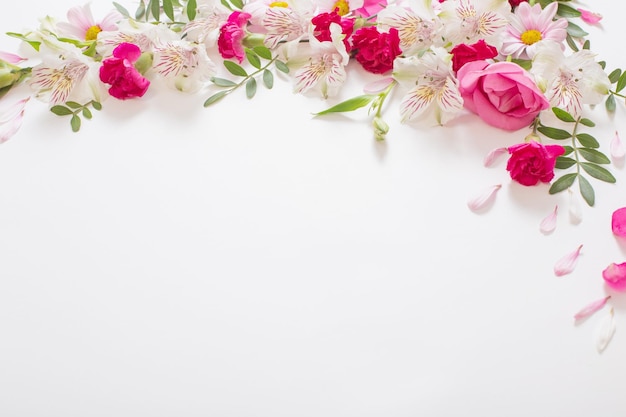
x=493, y=156
x=605, y=332
x=484, y=198
x=11, y=58
x=591, y=308
x=618, y=222
x=618, y=149
x=548, y=224
x=615, y=276
x=11, y=120
x=589, y=17
x=377, y=86
x=566, y=264
x=575, y=208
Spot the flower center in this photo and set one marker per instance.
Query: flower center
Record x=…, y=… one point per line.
x=92, y=33
x=279, y=4
x=342, y=7
x=531, y=36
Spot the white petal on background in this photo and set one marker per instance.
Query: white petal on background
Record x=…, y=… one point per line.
x=493, y=156
x=548, y=224
x=566, y=264
x=378, y=86
x=483, y=198
x=618, y=149
x=591, y=308
x=11, y=119
x=605, y=332
x=575, y=208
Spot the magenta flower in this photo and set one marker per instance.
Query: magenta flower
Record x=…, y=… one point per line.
x=615, y=276
x=590, y=17
x=532, y=162
x=618, y=222
x=231, y=36
x=119, y=71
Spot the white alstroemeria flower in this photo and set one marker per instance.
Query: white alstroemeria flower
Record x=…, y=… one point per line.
x=285, y=21
x=468, y=21
x=344, y=7
x=184, y=65
x=434, y=94
x=65, y=74
x=418, y=26
x=205, y=28
x=323, y=66
x=569, y=82
x=144, y=35
x=81, y=24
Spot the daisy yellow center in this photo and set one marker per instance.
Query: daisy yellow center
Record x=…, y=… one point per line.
x=279, y=4
x=342, y=7
x=531, y=36
x=92, y=33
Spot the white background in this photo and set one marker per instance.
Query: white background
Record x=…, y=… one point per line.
x=251, y=260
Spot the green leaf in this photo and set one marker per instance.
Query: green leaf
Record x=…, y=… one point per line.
x=593, y=155
x=563, y=162
x=235, y=68
x=571, y=43
x=575, y=30
x=263, y=52
x=586, y=190
x=587, y=140
x=251, y=88
x=554, y=133
x=281, y=66
x=75, y=123
x=253, y=58
x=96, y=105
x=587, y=122
x=141, y=10
x=610, y=103
x=567, y=11
x=121, y=9
x=155, y=9
x=349, y=105
x=192, y=5
x=237, y=3
x=216, y=97
x=614, y=76
x=562, y=183
x=73, y=105
x=35, y=44
x=168, y=9
x=598, y=172
x=87, y=113
x=226, y=4
x=568, y=150
x=61, y=110
x=268, y=79
x=563, y=115
x=223, y=82
x=587, y=45
x=621, y=83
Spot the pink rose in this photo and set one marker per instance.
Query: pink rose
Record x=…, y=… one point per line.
x=615, y=276
x=532, y=162
x=376, y=51
x=119, y=71
x=232, y=32
x=479, y=51
x=502, y=94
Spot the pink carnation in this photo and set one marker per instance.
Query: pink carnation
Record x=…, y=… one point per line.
x=231, y=36
x=119, y=71
x=615, y=276
x=376, y=51
x=532, y=162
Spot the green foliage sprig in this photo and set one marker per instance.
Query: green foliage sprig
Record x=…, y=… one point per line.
x=75, y=110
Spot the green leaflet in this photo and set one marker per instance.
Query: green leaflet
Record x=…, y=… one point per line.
x=235, y=68
x=563, y=183
x=586, y=190
x=598, y=172
x=554, y=133
x=349, y=105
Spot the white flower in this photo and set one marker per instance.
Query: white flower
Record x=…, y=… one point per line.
x=434, y=94
x=467, y=21
x=205, y=27
x=285, y=21
x=184, y=65
x=570, y=81
x=144, y=35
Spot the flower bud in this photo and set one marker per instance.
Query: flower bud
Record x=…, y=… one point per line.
x=144, y=62
x=381, y=128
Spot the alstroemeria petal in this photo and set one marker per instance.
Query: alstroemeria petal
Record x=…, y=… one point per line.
x=618, y=222
x=482, y=199
x=11, y=119
x=493, y=156
x=566, y=264
x=614, y=276
x=590, y=17
x=548, y=224
x=605, y=332
x=377, y=86
x=618, y=149
x=591, y=308
x=11, y=58
x=575, y=208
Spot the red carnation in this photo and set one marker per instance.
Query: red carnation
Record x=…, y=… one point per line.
x=462, y=53
x=376, y=51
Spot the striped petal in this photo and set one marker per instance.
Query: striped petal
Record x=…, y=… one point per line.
x=567, y=264
x=591, y=308
x=548, y=224
x=11, y=120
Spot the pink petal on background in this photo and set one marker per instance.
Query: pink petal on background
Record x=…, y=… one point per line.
x=590, y=17
x=618, y=149
x=493, y=156
x=618, y=222
x=377, y=86
x=548, y=224
x=605, y=331
x=485, y=197
x=591, y=308
x=11, y=120
x=614, y=276
x=11, y=58
x=566, y=264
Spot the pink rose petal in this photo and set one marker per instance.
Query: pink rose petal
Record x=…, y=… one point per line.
x=591, y=308
x=618, y=149
x=618, y=222
x=548, y=224
x=484, y=198
x=615, y=276
x=590, y=17
x=566, y=264
x=493, y=156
